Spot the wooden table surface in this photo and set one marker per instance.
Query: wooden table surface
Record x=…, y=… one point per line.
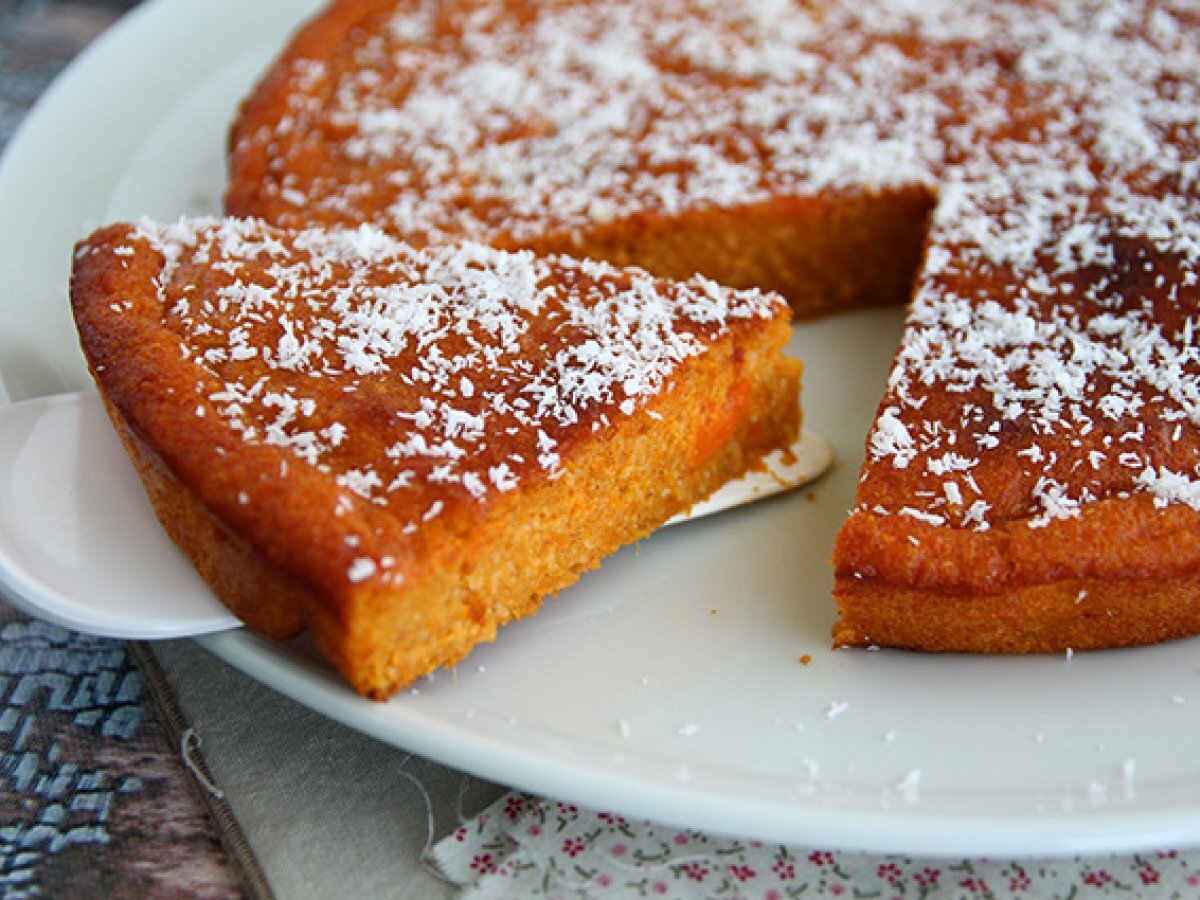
x=95, y=797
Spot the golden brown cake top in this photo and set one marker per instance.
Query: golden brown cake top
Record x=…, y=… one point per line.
x=1006, y=404
x=504, y=119
x=417, y=378
x=1051, y=357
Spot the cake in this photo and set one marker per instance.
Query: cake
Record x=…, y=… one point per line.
x=398, y=450
x=1024, y=175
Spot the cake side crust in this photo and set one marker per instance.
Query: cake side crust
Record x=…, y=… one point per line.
x=1053, y=617
x=1016, y=589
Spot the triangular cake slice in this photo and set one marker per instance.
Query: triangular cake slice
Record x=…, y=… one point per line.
x=399, y=450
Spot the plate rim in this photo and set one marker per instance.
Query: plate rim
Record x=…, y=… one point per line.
x=926, y=835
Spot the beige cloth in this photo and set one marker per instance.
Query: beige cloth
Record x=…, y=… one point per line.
x=327, y=812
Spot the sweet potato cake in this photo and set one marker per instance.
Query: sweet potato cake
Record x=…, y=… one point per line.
x=1023, y=173
x=399, y=449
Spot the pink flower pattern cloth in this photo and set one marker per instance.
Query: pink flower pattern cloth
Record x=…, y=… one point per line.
x=524, y=846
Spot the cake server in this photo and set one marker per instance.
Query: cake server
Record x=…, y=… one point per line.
x=80, y=546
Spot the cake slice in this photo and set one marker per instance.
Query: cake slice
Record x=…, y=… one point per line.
x=398, y=449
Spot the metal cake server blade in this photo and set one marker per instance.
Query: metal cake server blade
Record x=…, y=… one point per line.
x=80, y=545
x=785, y=470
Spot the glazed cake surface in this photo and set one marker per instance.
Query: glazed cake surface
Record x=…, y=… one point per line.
x=1025, y=174
x=400, y=449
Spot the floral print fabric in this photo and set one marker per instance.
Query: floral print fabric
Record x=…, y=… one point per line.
x=524, y=846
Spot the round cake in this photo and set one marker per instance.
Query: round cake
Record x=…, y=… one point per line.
x=1025, y=175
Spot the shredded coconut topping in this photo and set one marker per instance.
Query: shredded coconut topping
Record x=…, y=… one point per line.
x=439, y=374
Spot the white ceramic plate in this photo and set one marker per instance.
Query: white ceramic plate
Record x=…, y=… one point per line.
x=669, y=683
